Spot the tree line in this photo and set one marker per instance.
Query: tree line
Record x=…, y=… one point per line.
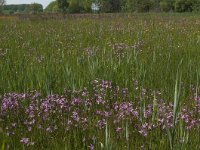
x=107, y=6
x=111, y=6
x=22, y=8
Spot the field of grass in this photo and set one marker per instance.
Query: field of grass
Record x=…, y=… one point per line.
x=100, y=82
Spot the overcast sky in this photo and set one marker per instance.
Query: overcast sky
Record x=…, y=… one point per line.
x=43, y=2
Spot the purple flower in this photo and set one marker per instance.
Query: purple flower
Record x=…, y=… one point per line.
x=91, y=147
x=99, y=100
x=29, y=129
x=76, y=101
x=101, y=123
x=106, y=84
x=75, y=116
x=143, y=132
x=49, y=129
x=26, y=141
x=119, y=129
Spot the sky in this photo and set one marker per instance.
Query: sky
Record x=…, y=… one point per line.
x=43, y=2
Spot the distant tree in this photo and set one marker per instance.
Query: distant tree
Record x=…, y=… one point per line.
x=36, y=8
x=55, y=9
x=76, y=6
x=196, y=6
x=137, y=5
x=116, y=5
x=111, y=5
x=87, y=5
x=128, y=6
x=52, y=7
x=63, y=5
x=105, y=6
x=73, y=6
x=184, y=5
x=155, y=5
x=143, y=5
x=167, y=5
x=27, y=8
x=2, y=3
x=22, y=8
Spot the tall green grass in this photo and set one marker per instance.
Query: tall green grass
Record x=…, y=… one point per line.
x=53, y=55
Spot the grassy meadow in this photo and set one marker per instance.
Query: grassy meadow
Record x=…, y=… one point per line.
x=115, y=81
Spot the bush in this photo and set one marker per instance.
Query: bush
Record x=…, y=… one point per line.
x=106, y=7
x=166, y=6
x=52, y=7
x=75, y=7
x=128, y=6
x=184, y=5
x=196, y=6
x=143, y=5
x=36, y=8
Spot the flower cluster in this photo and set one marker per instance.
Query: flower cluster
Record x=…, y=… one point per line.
x=103, y=104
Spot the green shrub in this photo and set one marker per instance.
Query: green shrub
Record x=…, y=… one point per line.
x=52, y=7
x=143, y=5
x=183, y=5
x=166, y=5
x=196, y=6
x=75, y=7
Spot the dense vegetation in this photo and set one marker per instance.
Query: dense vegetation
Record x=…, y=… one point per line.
x=23, y=8
x=108, y=6
x=100, y=82
x=127, y=5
